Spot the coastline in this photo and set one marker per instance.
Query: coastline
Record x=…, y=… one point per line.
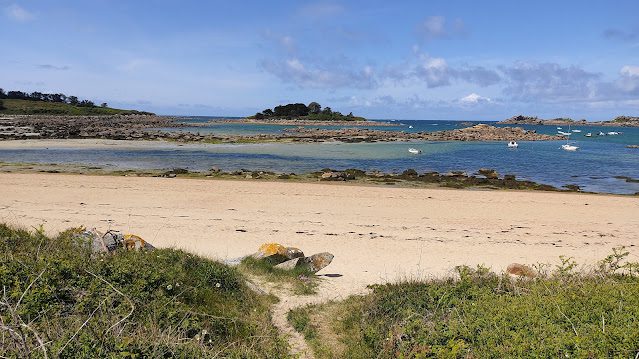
x=417, y=232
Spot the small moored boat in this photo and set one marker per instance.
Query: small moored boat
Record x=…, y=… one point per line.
x=414, y=151
x=513, y=144
x=601, y=134
x=589, y=134
x=569, y=147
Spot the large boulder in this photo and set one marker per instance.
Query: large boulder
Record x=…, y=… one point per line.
x=313, y=264
x=317, y=262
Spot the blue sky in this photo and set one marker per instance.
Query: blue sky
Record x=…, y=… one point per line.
x=458, y=60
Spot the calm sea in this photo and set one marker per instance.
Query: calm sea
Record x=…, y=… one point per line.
x=596, y=166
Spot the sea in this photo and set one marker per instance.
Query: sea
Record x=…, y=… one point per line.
x=603, y=163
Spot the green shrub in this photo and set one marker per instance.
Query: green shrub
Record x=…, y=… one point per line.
x=60, y=298
x=485, y=315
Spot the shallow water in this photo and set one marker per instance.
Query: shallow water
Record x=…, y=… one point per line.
x=593, y=167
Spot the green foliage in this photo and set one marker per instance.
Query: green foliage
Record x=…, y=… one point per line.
x=313, y=111
x=30, y=107
x=301, y=280
x=2, y=105
x=485, y=315
x=61, y=299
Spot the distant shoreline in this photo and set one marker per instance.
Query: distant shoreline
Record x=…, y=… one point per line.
x=621, y=121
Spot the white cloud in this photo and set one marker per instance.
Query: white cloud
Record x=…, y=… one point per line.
x=18, y=13
x=629, y=70
x=629, y=78
x=474, y=98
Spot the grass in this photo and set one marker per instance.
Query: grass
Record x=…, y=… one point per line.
x=300, y=280
x=485, y=315
x=61, y=300
x=28, y=107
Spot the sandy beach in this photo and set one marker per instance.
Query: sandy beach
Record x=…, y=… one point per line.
x=377, y=234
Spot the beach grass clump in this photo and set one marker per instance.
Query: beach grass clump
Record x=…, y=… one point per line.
x=300, y=279
x=480, y=314
x=59, y=299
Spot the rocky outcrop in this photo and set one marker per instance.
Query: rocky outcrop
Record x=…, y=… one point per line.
x=621, y=121
x=289, y=258
x=116, y=127
x=479, y=132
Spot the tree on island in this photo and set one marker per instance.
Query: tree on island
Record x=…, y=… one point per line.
x=1, y=105
x=313, y=111
x=314, y=107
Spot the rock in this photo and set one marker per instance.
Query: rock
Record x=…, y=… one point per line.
x=488, y=173
x=327, y=175
x=318, y=261
x=112, y=240
x=289, y=264
x=521, y=270
x=277, y=253
x=632, y=146
x=215, y=169
x=95, y=239
x=292, y=253
x=249, y=176
x=509, y=177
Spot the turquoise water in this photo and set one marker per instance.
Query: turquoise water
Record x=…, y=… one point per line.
x=594, y=167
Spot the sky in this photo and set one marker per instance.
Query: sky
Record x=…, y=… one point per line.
x=435, y=60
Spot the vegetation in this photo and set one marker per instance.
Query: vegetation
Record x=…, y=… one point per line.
x=484, y=315
x=38, y=103
x=624, y=119
x=300, y=280
x=313, y=111
x=60, y=300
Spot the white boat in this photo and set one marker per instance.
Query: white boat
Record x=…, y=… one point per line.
x=414, y=151
x=410, y=126
x=601, y=133
x=564, y=133
x=612, y=133
x=513, y=144
x=569, y=147
x=589, y=134
x=577, y=131
x=559, y=128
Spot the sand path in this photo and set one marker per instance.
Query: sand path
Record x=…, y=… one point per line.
x=377, y=234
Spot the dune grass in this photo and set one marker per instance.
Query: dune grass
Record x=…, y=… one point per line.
x=60, y=300
x=481, y=314
x=300, y=280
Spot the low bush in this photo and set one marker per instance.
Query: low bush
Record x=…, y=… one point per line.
x=59, y=299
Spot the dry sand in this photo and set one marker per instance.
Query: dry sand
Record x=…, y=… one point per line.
x=376, y=233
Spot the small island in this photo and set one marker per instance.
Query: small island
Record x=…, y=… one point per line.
x=299, y=111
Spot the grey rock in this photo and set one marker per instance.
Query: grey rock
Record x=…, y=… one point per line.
x=290, y=264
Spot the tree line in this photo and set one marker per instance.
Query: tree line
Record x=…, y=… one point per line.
x=296, y=110
x=47, y=97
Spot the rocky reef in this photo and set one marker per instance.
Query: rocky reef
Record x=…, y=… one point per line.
x=621, y=121
x=116, y=127
x=479, y=132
